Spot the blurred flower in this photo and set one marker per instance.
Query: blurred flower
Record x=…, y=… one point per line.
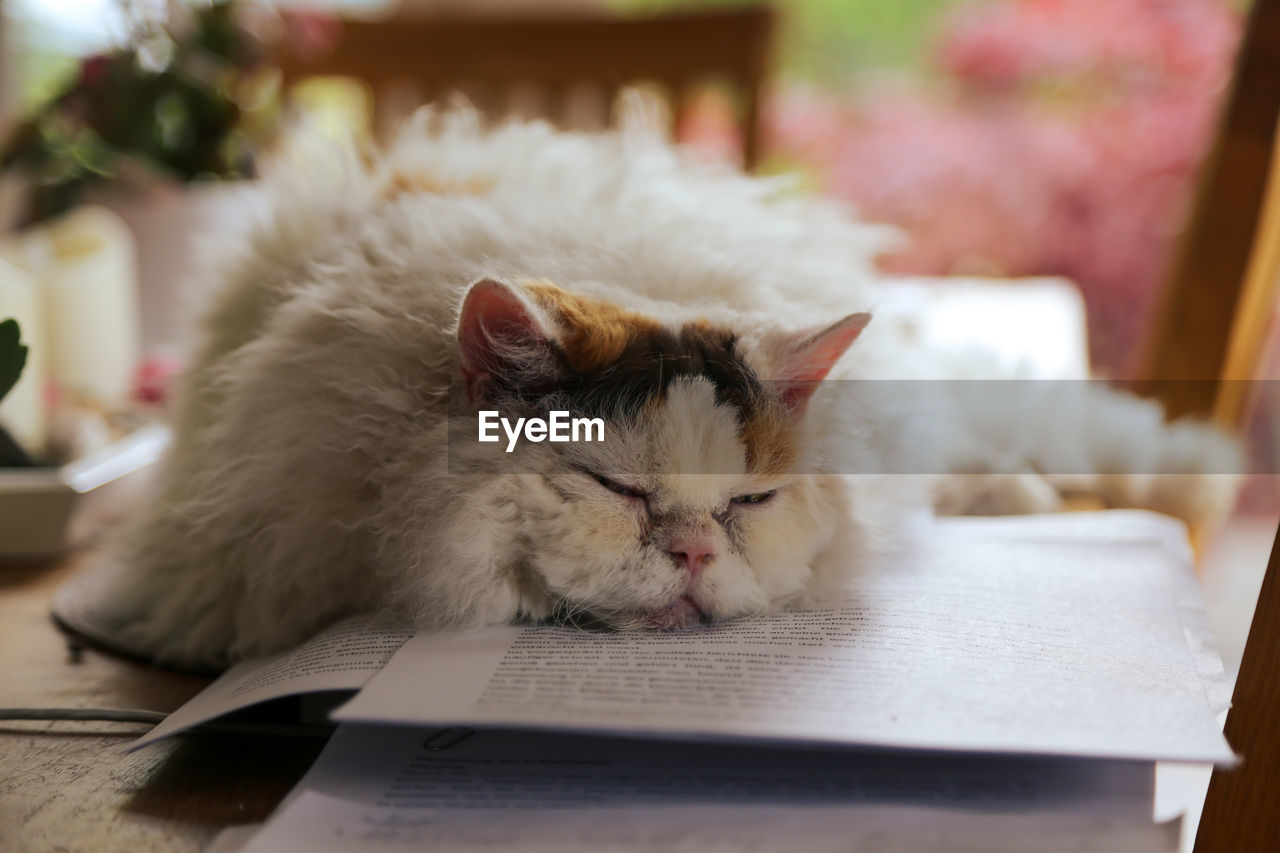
x=1065, y=142
x=707, y=122
x=312, y=32
x=94, y=70
x=181, y=101
x=154, y=380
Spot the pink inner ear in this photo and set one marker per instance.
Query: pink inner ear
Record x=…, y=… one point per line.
x=494, y=326
x=808, y=361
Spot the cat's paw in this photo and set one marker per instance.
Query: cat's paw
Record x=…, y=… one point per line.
x=1197, y=474
x=996, y=494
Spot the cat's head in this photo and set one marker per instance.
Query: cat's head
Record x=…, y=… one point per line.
x=692, y=507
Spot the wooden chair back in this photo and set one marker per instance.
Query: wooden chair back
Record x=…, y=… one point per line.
x=1242, y=810
x=489, y=58
x=1213, y=316
x=1206, y=344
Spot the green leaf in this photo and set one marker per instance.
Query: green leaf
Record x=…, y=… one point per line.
x=13, y=355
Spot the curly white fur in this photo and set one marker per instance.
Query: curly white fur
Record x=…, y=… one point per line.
x=309, y=475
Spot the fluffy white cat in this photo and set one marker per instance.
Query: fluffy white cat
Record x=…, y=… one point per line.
x=326, y=461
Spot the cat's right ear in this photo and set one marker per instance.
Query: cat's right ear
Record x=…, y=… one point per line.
x=807, y=359
x=502, y=340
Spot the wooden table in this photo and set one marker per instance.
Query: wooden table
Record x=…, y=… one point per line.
x=67, y=786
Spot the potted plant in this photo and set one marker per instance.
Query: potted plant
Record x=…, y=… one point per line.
x=156, y=130
x=13, y=358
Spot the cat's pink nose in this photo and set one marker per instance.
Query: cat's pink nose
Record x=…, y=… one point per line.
x=693, y=554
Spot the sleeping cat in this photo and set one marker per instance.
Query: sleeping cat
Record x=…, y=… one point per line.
x=326, y=459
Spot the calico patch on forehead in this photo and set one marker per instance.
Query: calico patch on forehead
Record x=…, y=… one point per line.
x=617, y=362
x=595, y=333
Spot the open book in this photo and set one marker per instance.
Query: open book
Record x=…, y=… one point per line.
x=1078, y=635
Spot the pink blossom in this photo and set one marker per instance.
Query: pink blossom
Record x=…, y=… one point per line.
x=1065, y=142
x=154, y=379
x=312, y=31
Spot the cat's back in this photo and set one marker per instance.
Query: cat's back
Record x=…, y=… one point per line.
x=384, y=247
x=623, y=216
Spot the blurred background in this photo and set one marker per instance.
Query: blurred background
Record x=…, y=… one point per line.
x=1005, y=137
x=1038, y=160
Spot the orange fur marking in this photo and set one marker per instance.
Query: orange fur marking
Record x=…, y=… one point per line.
x=402, y=183
x=770, y=440
x=596, y=332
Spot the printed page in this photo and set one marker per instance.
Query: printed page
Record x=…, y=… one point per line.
x=343, y=657
x=386, y=789
x=316, y=822
x=1132, y=526
x=971, y=641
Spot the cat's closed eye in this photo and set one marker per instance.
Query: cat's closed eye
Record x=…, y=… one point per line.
x=626, y=491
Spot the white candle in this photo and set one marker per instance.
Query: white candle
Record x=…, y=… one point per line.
x=22, y=410
x=91, y=305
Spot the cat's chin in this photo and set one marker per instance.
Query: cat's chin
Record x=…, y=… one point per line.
x=682, y=613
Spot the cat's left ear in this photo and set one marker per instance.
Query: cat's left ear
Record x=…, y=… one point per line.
x=503, y=340
x=806, y=359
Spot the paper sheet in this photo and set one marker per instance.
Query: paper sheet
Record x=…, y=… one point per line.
x=382, y=789
x=233, y=839
x=343, y=657
x=315, y=822
x=1065, y=640
x=1132, y=527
